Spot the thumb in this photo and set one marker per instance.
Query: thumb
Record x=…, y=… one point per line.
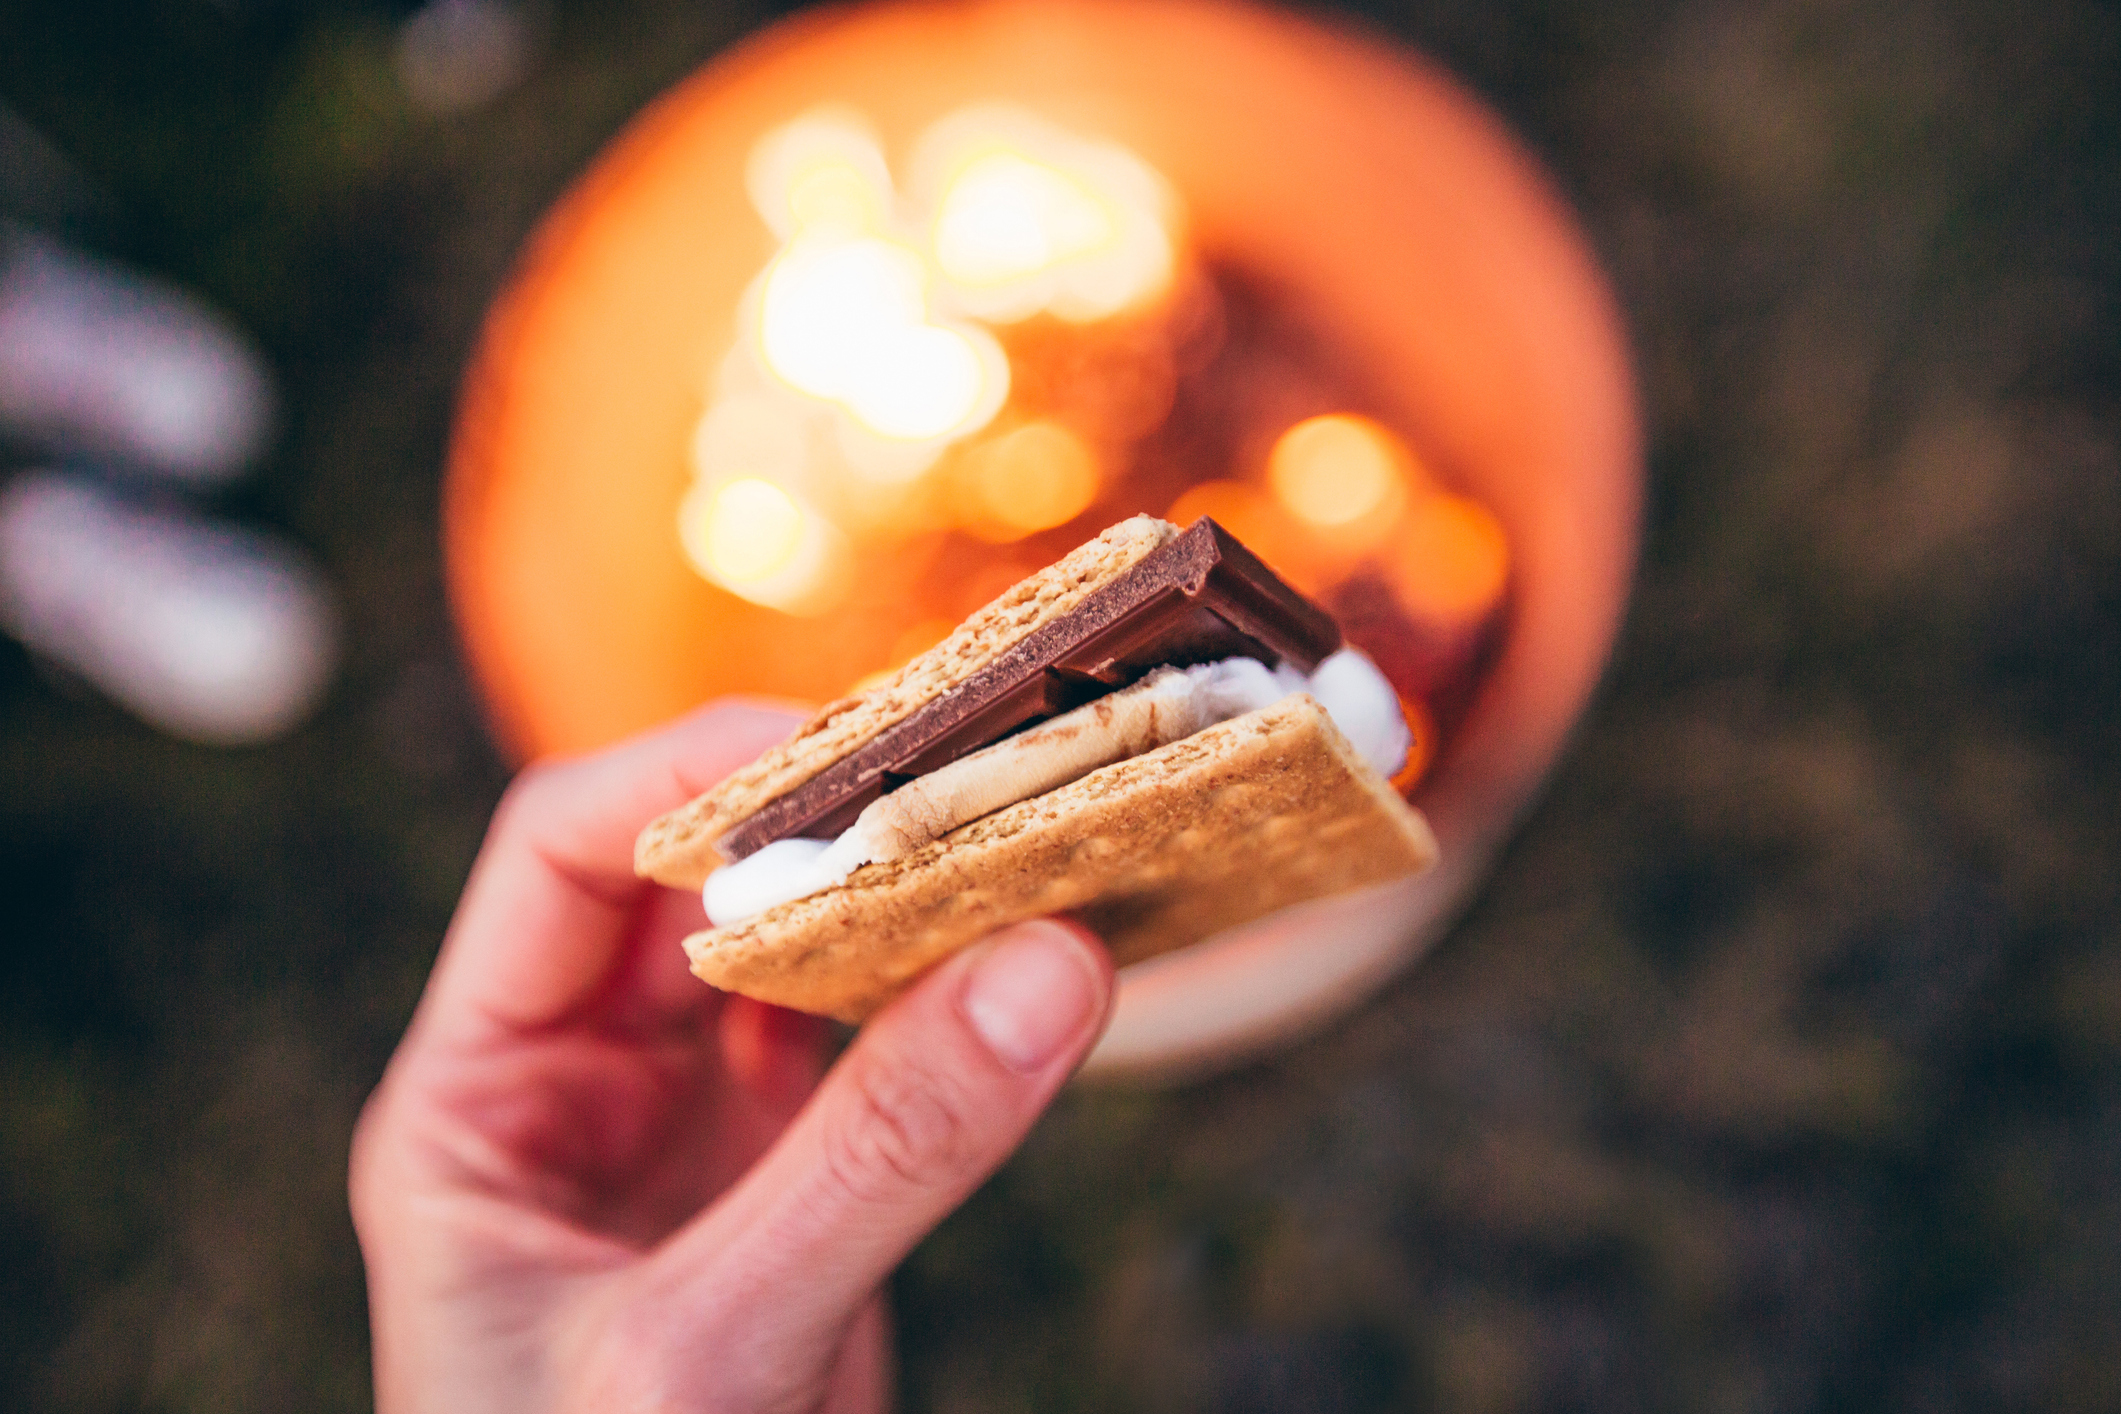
x=937, y=1090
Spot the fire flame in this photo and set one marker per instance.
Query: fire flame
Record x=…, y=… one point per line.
x=846, y=319
x=1033, y=478
x=867, y=397
x=1029, y=218
x=1340, y=474
x=864, y=354
x=763, y=543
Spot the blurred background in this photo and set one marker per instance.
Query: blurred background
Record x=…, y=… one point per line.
x=1779, y=1066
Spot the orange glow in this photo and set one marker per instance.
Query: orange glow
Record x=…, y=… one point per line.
x=747, y=434
x=1375, y=198
x=1450, y=559
x=1027, y=218
x=1030, y=479
x=860, y=362
x=1341, y=474
x=756, y=540
x=825, y=169
x=1421, y=746
x=846, y=319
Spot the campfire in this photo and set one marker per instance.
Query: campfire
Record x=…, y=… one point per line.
x=921, y=376
x=896, y=304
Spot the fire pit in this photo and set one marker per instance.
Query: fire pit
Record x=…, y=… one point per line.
x=895, y=304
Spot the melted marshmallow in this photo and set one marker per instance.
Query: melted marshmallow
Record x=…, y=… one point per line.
x=774, y=874
x=1365, y=708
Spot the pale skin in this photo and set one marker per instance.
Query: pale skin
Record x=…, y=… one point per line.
x=589, y=1181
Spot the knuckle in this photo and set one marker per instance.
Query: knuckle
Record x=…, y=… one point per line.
x=367, y=1181
x=641, y=1346
x=911, y=1126
x=531, y=785
x=631, y=1353
x=537, y=791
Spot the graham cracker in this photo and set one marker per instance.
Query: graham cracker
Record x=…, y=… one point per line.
x=679, y=849
x=1266, y=810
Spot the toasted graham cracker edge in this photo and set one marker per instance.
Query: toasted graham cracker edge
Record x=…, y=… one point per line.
x=679, y=849
x=1240, y=820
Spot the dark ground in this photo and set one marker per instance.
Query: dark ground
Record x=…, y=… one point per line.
x=1777, y=1069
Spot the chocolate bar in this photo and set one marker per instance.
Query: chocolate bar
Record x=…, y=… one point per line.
x=1200, y=597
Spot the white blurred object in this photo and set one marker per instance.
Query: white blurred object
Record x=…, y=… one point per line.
x=99, y=359
x=1364, y=705
x=457, y=55
x=212, y=634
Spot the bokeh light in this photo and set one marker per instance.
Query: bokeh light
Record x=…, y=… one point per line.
x=1254, y=517
x=831, y=305
x=824, y=169
x=1028, y=218
x=1342, y=474
x=1029, y=479
x=757, y=540
x=1450, y=559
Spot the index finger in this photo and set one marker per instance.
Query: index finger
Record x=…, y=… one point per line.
x=548, y=910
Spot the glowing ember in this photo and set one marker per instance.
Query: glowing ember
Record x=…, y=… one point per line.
x=1339, y=472
x=862, y=354
x=866, y=404
x=825, y=169
x=1029, y=219
x=754, y=539
x=1452, y=560
x=1032, y=479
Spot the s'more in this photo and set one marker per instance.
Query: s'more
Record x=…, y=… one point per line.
x=1155, y=734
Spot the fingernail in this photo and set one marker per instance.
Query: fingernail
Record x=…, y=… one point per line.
x=1032, y=994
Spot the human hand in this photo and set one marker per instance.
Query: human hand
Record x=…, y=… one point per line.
x=590, y=1181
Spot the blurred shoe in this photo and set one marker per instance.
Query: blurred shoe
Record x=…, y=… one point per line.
x=457, y=55
x=102, y=361
x=211, y=634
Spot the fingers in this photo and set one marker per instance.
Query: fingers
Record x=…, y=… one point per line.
x=861, y=1381
x=933, y=1095
x=544, y=916
x=774, y=1054
x=769, y=1063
